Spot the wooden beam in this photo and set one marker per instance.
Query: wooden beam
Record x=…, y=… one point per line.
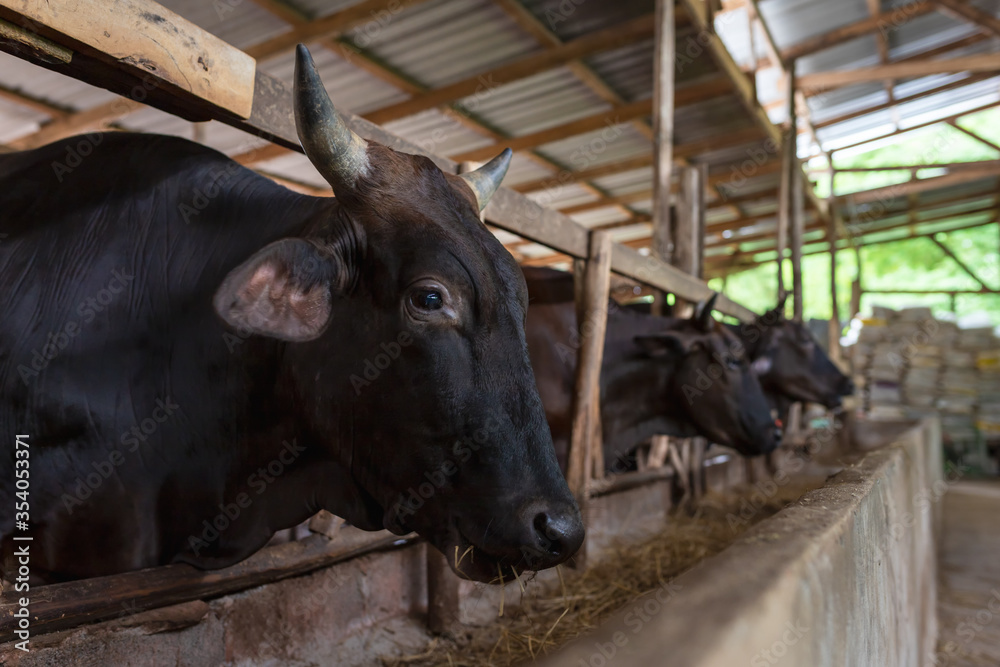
x=891, y=192
x=664, y=68
x=962, y=265
x=966, y=11
x=82, y=121
x=975, y=165
x=604, y=119
x=587, y=386
x=982, y=107
x=987, y=62
x=486, y=82
x=330, y=26
x=884, y=21
x=35, y=104
x=745, y=90
x=59, y=606
x=284, y=11
x=145, y=41
x=974, y=135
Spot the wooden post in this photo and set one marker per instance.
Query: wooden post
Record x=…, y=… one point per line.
x=789, y=162
x=663, y=137
x=597, y=282
x=689, y=229
x=442, y=592
x=834, y=329
x=795, y=181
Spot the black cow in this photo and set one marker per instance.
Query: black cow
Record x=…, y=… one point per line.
x=202, y=357
x=660, y=375
x=792, y=367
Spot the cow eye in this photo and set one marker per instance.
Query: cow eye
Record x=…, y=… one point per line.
x=426, y=299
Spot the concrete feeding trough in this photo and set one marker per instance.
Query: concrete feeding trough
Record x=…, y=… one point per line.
x=844, y=575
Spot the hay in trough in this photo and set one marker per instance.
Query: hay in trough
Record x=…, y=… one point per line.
x=546, y=617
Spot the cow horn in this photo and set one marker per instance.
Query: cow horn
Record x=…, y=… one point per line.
x=337, y=153
x=704, y=314
x=485, y=180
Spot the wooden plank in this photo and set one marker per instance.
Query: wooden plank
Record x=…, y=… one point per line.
x=568, y=177
x=974, y=135
x=58, y=606
x=689, y=227
x=650, y=271
x=834, y=330
x=483, y=83
x=891, y=192
x=663, y=138
x=884, y=21
x=148, y=41
x=587, y=386
x=987, y=62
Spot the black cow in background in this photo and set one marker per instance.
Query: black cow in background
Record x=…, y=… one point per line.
x=660, y=376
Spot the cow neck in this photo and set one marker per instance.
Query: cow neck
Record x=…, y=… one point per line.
x=639, y=396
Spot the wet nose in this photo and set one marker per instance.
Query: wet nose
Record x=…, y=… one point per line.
x=556, y=533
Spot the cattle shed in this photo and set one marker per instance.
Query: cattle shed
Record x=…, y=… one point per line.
x=662, y=152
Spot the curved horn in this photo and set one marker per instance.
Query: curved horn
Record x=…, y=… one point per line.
x=337, y=153
x=704, y=315
x=485, y=180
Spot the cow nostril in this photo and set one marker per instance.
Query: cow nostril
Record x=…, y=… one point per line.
x=548, y=536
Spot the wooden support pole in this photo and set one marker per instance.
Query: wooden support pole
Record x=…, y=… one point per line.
x=784, y=209
x=797, y=231
x=663, y=137
x=833, y=332
x=596, y=285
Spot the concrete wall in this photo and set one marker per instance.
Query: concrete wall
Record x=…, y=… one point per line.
x=846, y=576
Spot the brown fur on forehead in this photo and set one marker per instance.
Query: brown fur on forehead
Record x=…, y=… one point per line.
x=411, y=194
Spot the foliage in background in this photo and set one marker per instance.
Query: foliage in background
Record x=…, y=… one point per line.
x=916, y=263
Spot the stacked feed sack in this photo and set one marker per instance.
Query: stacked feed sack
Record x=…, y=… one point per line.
x=886, y=367
x=988, y=393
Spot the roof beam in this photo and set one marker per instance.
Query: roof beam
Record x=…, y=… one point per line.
x=982, y=107
x=965, y=11
x=884, y=21
x=902, y=100
x=962, y=265
x=485, y=82
x=81, y=121
x=974, y=135
x=33, y=103
x=329, y=26
x=609, y=118
x=987, y=62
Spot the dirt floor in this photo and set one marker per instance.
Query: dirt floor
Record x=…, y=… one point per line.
x=969, y=597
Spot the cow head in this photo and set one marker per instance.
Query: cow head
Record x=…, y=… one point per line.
x=713, y=380
x=790, y=363
x=406, y=352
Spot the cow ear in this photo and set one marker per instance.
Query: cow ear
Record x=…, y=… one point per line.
x=282, y=291
x=664, y=344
